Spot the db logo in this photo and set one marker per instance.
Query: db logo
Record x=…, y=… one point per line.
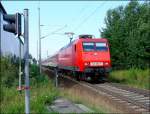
x=95, y=54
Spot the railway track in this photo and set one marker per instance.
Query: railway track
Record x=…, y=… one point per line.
x=131, y=100
x=135, y=100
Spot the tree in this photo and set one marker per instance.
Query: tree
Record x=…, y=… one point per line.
x=127, y=29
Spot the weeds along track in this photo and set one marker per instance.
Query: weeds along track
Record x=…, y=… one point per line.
x=135, y=100
x=146, y=93
x=138, y=100
x=120, y=98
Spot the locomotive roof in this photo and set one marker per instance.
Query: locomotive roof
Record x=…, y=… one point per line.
x=87, y=39
x=94, y=39
x=85, y=36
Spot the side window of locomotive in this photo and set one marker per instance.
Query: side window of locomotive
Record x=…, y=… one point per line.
x=101, y=46
x=75, y=48
x=88, y=46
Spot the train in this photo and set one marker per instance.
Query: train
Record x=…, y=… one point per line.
x=86, y=58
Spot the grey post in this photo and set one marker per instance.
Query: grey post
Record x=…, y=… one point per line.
x=56, y=77
x=26, y=55
x=39, y=42
x=20, y=72
x=37, y=52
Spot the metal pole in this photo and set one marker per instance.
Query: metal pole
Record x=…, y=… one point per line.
x=0, y=37
x=37, y=52
x=47, y=53
x=20, y=73
x=56, y=77
x=26, y=55
x=71, y=39
x=39, y=42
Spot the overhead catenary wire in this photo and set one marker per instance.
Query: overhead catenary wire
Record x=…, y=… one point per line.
x=80, y=14
x=55, y=32
x=59, y=29
x=88, y=17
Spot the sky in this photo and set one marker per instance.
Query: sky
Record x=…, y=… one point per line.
x=79, y=17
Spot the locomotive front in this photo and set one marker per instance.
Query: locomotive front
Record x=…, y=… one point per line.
x=95, y=57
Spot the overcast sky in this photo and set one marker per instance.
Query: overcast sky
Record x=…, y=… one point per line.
x=80, y=17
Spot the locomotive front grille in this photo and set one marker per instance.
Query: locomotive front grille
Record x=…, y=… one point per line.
x=97, y=69
x=96, y=63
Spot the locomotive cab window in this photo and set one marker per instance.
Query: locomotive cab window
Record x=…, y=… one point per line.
x=101, y=46
x=95, y=46
x=88, y=46
x=75, y=48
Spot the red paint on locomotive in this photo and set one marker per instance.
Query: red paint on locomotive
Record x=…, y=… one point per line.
x=84, y=55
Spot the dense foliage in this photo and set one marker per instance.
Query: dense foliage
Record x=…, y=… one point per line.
x=132, y=77
x=9, y=71
x=128, y=31
x=42, y=90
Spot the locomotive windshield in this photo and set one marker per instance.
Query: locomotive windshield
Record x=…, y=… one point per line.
x=95, y=46
x=88, y=46
x=101, y=46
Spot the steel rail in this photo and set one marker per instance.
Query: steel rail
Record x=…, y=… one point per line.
x=133, y=99
x=124, y=98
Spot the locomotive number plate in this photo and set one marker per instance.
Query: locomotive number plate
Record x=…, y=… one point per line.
x=96, y=63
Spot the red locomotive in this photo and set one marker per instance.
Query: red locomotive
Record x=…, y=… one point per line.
x=87, y=58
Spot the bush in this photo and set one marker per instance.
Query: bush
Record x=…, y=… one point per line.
x=42, y=91
x=9, y=72
x=132, y=77
x=35, y=77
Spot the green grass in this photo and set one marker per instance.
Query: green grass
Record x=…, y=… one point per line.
x=40, y=95
x=77, y=98
x=133, y=77
x=42, y=90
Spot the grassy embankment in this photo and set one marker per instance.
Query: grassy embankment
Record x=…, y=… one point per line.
x=78, y=98
x=133, y=77
x=42, y=91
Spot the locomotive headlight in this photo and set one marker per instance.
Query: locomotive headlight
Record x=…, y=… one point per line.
x=86, y=63
x=106, y=63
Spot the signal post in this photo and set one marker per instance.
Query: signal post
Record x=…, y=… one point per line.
x=26, y=56
x=14, y=26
